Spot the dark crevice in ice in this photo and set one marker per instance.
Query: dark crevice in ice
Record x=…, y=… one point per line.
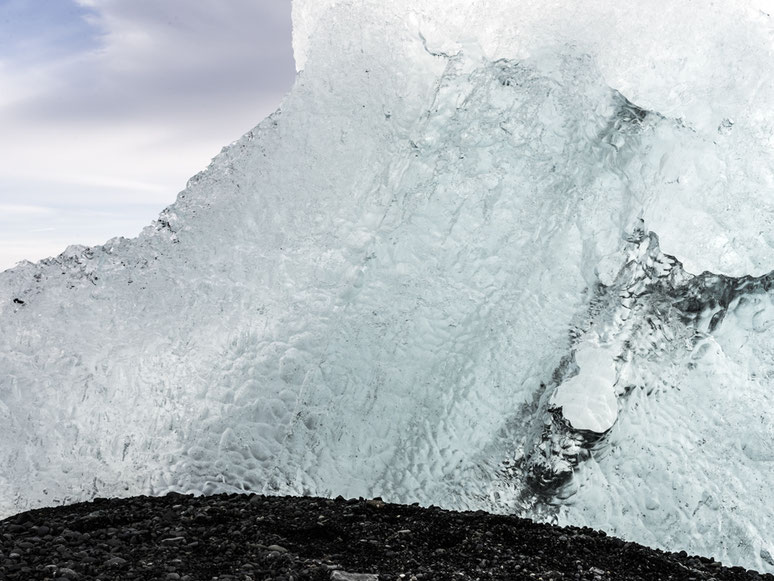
x=653, y=309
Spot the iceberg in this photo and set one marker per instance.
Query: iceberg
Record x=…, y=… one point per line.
x=486, y=255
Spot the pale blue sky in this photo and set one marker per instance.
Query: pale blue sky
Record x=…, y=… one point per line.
x=107, y=107
x=32, y=31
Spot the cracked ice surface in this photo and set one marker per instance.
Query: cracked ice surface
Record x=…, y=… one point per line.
x=456, y=267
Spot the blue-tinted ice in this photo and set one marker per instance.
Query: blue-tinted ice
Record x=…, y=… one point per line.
x=454, y=270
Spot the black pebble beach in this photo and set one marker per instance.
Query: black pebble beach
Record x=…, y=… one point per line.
x=240, y=537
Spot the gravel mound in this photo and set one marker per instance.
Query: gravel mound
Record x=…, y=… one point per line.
x=240, y=537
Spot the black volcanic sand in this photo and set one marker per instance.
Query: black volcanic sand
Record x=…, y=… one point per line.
x=240, y=537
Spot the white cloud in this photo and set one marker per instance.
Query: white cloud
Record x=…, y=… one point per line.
x=172, y=57
x=128, y=117
x=9, y=210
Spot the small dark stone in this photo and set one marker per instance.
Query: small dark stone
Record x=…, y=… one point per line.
x=115, y=562
x=68, y=573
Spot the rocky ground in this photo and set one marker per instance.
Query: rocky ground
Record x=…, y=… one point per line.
x=237, y=537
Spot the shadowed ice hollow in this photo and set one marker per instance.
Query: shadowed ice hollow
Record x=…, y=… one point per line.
x=486, y=255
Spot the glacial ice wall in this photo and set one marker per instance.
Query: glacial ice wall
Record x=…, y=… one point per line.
x=501, y=255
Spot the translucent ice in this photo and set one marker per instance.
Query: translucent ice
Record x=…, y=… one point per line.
x=486, y=255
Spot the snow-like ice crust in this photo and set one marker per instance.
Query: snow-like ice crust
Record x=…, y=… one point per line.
x=587, y=400
x=462, y=265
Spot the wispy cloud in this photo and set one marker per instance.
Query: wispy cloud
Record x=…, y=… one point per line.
x=23, y=210
x=120, y=101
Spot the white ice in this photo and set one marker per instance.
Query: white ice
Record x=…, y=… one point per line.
x=374, y=291
x=588, y=399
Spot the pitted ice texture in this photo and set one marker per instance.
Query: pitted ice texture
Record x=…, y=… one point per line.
x=475, y=235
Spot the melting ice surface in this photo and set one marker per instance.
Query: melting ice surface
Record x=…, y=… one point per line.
x=485, y=256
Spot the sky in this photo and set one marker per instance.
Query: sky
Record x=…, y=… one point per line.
x=107, y=107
